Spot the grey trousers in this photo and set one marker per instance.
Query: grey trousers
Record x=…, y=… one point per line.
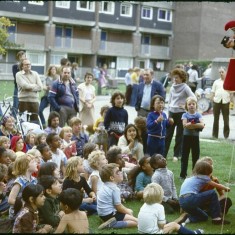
x=66, y=113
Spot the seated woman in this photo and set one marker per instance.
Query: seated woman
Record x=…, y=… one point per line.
x=130, y=143
x=8, y=128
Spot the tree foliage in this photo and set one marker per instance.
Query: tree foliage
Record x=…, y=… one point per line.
x=5, y=23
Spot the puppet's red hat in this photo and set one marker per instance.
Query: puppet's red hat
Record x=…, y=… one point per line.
x=230, y=25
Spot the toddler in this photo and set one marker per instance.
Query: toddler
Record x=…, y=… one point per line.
x=192, y=123
x=164, y=177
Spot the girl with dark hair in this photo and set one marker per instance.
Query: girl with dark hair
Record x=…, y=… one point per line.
x=140, y=176
x=27, y=219
x=130, y=142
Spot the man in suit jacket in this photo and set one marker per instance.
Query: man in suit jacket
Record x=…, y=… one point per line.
x=146, y=90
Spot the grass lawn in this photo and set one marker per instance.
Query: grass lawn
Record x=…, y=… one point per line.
x=224, y=168
x=224, y=161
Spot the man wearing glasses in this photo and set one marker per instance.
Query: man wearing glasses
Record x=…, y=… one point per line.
x=29, y=85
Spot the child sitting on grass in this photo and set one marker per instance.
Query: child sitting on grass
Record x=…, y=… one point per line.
x=191, y=199
x=50, y=212
x=165, y=178
x=74, y=220
x=109, y=206
x=151, y=217
x=27, y=219
x=140, y=176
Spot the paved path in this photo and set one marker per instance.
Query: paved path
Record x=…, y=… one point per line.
x=208, y=119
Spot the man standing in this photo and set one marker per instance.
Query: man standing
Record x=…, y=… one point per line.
x=29, y=85
x=63, y=96
x=146, y=90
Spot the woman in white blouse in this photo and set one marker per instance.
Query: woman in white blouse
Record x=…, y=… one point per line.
x=130, y=142
x=87, y=98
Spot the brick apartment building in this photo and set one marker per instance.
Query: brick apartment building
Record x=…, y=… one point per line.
x=119, y=34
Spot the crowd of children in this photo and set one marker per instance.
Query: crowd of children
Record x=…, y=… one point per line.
x=52, y=181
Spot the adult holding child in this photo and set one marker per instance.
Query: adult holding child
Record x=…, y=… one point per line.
x=178, y=94
x=87, y=98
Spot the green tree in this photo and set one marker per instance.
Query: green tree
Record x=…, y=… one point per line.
x=4, y=42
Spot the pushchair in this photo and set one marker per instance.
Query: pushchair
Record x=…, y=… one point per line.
x=23, y=123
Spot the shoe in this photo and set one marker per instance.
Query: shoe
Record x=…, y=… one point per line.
x=108, y=224
x=199, y=231
x=220, y=222
x=183, y=217
x=175, y=159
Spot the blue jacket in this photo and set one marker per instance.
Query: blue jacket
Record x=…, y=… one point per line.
x=157, y=89
x=57, y=91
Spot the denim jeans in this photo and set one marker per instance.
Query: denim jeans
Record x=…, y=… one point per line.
x=91, y=208
x=192, y=204
x=43, y=104
x=15, y=102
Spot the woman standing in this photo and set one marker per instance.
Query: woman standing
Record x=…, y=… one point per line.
x=87, y=98
x=51, y=75
x=221, y=99
x=179, y=92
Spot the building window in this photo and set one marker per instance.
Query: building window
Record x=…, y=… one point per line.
x=160, y=66
x=85, y=6
x=55, y=58
x=164, y=15
x=126, y=9
x=147, y=13
x=103, y=38
x=63, y=4
x=63, y=37
x=40, y=3
x=12, y=33
x=36, y=58
x=107, y=7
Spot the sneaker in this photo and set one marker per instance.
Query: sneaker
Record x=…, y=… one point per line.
x=183, y=217
x=220, y=222
x=108, y=224
x=175, y=159
x=199, y=231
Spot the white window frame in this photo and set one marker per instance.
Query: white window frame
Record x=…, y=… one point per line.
x=151, y=13
x=39, y=3
x=90, y=6
x=102, y=4
x=41, y=58
x=56, y=57
x=62, y=4
x=166, y=13
x=126, y=4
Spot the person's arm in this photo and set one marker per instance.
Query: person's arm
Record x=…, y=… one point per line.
x=52, y=97
x=219, y=186
x=62, y=225
x=122, y=209
x=122, y=143
x=94, y=182
x=23, y=84
x=13, y=194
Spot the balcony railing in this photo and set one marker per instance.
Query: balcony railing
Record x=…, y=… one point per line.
x=116, y=48
x=73, y=45
x=28, y=41
x=160, y=52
